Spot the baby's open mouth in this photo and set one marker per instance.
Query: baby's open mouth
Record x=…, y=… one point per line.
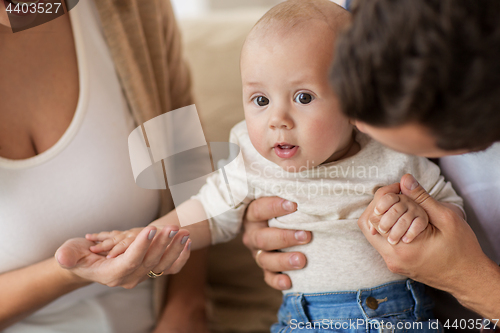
x=285, y=146
x=285, y=150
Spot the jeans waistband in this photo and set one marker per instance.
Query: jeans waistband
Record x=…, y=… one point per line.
x=394, y=298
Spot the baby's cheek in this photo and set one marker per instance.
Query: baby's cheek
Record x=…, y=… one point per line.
x=324, y=132
x=257, y=137
x=323, y=139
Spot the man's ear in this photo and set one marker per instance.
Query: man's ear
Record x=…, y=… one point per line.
x=359, y=125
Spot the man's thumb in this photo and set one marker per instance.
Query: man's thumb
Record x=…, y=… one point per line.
x=412, y=189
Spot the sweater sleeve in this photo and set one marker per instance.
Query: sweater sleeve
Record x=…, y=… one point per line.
x=224, y=198
x=428, y=174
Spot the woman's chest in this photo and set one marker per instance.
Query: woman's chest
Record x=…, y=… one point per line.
x=84, y=183
x=39, y=89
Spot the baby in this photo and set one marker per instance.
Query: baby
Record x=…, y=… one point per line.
x=297, y=144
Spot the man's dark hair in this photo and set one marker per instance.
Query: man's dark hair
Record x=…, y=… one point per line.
x=433, y=62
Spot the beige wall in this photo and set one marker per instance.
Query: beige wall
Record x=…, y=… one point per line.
x=196, y=8
x=219, y=4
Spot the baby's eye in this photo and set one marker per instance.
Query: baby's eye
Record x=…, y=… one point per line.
x=261, y=101
x=304, y=98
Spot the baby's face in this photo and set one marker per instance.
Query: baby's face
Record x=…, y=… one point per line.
x=292, y=113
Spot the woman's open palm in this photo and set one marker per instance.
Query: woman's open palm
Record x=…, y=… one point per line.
x=159, y=253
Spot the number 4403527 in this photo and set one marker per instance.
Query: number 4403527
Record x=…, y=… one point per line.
x=485, y=325
x=32, y=8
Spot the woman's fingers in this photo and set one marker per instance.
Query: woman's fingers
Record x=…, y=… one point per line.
x=145, y=252
x=179, y=263
x=136, y=252
x=172, y=253
x=160, y=244
x=150, y=250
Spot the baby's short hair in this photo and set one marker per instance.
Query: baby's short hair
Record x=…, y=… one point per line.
x=289, y=14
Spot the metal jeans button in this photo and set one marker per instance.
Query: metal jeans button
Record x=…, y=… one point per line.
x=372, y=303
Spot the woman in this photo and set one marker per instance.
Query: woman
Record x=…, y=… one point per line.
x=68, y=103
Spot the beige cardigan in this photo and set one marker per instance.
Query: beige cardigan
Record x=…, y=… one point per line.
x=145, y=44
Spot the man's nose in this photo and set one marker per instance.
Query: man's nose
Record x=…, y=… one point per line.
x=280, y=119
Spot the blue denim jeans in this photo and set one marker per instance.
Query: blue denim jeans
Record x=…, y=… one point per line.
x=400, y=306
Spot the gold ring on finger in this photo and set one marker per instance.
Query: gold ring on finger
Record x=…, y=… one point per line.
x=154, y=275
x=257, y=258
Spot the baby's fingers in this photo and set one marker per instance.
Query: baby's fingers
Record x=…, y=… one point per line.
x=391, y=218
x=120, y=247
x=417, y=226
x=107, y=244
x=386, y=202
x=103, y=247
x=101, y=236
x=400, y=228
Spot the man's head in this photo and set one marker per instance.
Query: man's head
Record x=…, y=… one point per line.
x=292, y=114
x=425, y=70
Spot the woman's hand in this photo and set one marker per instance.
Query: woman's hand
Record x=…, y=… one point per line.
x=148, y=252
x=262, y=240
x=446, y=255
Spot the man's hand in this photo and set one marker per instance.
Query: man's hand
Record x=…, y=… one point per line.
x=398, y=216
x=446, y=255
x=262, y=239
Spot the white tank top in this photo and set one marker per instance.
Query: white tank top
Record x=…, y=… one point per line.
x=83, y=184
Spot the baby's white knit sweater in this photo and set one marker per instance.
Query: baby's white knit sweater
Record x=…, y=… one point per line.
x=330, y=200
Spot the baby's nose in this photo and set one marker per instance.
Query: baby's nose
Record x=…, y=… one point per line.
x=280, y=120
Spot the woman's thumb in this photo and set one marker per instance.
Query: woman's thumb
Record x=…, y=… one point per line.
x=67, y=255
x=412, y=189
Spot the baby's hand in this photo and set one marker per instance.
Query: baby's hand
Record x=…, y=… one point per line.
x=116, y=242
x=399, y=216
